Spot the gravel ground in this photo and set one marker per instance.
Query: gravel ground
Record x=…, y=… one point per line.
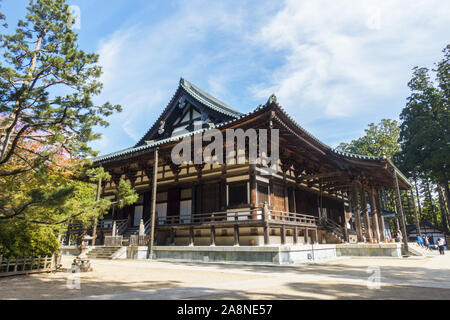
x=349, y=278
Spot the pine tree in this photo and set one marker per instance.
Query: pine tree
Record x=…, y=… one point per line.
x=46, y=88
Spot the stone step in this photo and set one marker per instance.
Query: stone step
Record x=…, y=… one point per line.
x=102, y=252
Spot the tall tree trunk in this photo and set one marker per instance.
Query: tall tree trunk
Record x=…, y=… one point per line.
x=444, y=208
x=415, y=214
x=418, y=200
x=408, y=203
x=430, y=198
x=11, y=127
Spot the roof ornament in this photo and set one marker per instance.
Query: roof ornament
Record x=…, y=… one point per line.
x=182, y=102
x=272, y=99
x=161, y=127
x=204, y=117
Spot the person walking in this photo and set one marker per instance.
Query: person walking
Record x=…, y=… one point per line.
x=440, y=244
x=420, y=241
x=426, y=241
x=398, y=237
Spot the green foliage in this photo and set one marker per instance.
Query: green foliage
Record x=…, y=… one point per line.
x=47, y=85
x=20, y=239
x=380, y=139
x=425, y=136
x=125, y=194
x=47, y=116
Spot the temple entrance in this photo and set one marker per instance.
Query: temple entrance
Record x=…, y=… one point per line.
x=173, y=204
x=138, y=211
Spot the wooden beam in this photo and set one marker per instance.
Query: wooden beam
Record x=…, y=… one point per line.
x=366, y=214
x=357, y=213
x=236, y=235
x=400, y=210
x=283, y=234
x=306, y=235
x=154, y=186
x=380, y=216
x=295, y=235
x=172, y=236
x=321, y=175
x=191, y=236
x=213, y=236
x=373, y=208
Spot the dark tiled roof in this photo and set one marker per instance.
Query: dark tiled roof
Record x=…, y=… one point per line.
x=198, y=94
x=217, y=105
x=128, y=151
x=208, y=99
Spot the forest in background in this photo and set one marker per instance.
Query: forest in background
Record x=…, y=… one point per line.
x=418, y=144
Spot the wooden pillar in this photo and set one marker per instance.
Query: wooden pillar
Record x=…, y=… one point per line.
x=294, y=202
x=380, y=216
x=213, y=236
x=286, y=201
x=271, y=194
x=236, y=235
x=266, y=235
x=400, y=210
x=266, y=224
x=253, y=202
x=357, y=213
x=153, y=217
x=191, y=236
x=366, y=214
x=306, y=235
x=346, y=213
x=283, y=234
x=316, y=236
x=295, y=235
x=373, y=208
x=194, y=198
x=172, y=237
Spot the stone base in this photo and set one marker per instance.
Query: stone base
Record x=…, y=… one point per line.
x=369, y=250
x=271, y=255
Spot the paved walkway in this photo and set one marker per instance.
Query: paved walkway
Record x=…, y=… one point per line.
x=348, y=278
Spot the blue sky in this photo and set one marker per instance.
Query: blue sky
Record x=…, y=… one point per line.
x=335, y=66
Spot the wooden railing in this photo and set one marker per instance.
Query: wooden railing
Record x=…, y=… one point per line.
x=292, y=217
x=26, y=265
x=115, y=241
x=122, y=225
x=239, y=215
x=332, y=226
x=137, y=240
x=147, y=226
x=201, y=218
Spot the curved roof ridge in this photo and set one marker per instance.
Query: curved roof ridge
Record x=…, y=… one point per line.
x=208, y=99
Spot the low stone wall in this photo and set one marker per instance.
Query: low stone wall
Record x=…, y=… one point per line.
x=137, y=252
x=369, y=250
x=69, y=250
x=278, y=255
x=271, y=255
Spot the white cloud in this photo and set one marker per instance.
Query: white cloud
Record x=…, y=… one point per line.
x=329, y=60
x=143, y=61
x=342, y=56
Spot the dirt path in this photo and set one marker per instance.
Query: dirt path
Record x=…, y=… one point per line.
x=412, y=278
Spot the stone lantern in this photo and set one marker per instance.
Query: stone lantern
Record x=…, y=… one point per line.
x=81, y=261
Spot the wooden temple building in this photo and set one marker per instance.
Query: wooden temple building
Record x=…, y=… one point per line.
x=317, y=194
